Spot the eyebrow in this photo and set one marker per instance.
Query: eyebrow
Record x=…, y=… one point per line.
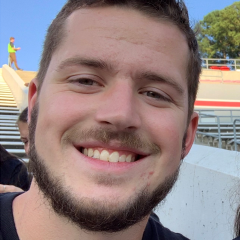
x=100, y=64
x=151, y=76
x=88, y=62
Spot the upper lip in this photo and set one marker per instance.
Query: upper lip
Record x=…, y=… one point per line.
x=114, y=146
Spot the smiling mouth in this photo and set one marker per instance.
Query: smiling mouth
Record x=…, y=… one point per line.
x=110, y=155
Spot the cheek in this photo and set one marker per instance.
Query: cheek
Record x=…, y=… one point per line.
x=166, y=127
x=66, y=109
x=167, y=131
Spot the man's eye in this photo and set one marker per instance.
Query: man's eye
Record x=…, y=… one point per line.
x=87, y=82
x=157, y=96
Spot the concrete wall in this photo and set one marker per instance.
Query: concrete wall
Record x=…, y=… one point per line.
x=208, y=74
x=203, y=203
x=219, y=91
x=219, y=85
x=16, y=84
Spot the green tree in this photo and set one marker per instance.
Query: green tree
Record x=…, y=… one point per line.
x=219, y=33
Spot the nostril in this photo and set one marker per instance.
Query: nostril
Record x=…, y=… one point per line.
x=106, y=122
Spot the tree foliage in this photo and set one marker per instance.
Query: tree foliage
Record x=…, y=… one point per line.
x=219, y=33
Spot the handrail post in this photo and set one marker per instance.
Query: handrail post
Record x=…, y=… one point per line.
x=235, y=62
x=219, y=133
x=235, y=133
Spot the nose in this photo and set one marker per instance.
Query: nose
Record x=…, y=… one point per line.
x=118, y=108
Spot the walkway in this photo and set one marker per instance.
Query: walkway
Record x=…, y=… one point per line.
x=9, y=134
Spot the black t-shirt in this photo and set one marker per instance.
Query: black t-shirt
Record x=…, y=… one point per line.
x=7, y=226
x=13, y=172
x=238, y=238
x=154, y=229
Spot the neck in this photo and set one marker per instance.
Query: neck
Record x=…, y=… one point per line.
x=35, y=219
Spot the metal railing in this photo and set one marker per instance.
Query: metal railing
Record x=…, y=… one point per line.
x=235, y=133
x=232, y=64
x=233, y=121
x=230, y=115
x=218, y=124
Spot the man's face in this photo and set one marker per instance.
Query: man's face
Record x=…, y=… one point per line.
x=12, y=40
x=115, y=90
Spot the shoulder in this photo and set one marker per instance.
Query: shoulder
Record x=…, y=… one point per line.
x=6, y=199
x=13, y=162
x=7, y=225
x=238, y=238
x=11, y=165
x=14, y=172
x=155, y=230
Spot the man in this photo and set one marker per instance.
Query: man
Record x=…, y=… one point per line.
x=12, y=53
x=111, y=117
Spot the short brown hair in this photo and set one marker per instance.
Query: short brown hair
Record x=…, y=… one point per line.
x=12, y=38
x=174, y=11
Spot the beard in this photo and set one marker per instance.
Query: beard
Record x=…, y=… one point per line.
x=90, y=214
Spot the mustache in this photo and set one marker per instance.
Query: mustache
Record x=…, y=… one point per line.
x=128, y=139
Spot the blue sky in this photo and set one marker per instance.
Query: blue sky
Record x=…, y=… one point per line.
x=28, y=20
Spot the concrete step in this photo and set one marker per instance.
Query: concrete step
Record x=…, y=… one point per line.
x=10, y=133
x=7, y=121
x=7, y=104
x=12, y=137
x=8, y=124
x=3, y=87
x=3, y=143
x=7, y=100
x=9, y=112
x=5, y=91
x=6, y=96
x=9, y=128
x=10, y=108
x=10, y=117
x=17, y=152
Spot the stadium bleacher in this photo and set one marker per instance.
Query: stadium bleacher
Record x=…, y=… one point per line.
x=9, y=133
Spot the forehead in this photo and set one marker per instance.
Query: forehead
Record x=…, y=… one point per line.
x=124, y=37
x=124, y=24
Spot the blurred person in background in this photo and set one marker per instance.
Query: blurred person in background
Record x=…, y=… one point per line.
x=23, y=128
x=13, y=173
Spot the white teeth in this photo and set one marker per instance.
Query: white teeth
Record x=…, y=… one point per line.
x=104, y=155
x=129, y=158
x=90, y=152
x=96, y=154
x=122, y=158
x=114, y=157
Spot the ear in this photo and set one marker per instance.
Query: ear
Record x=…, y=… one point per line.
x=32, y=96
x=190, y=133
